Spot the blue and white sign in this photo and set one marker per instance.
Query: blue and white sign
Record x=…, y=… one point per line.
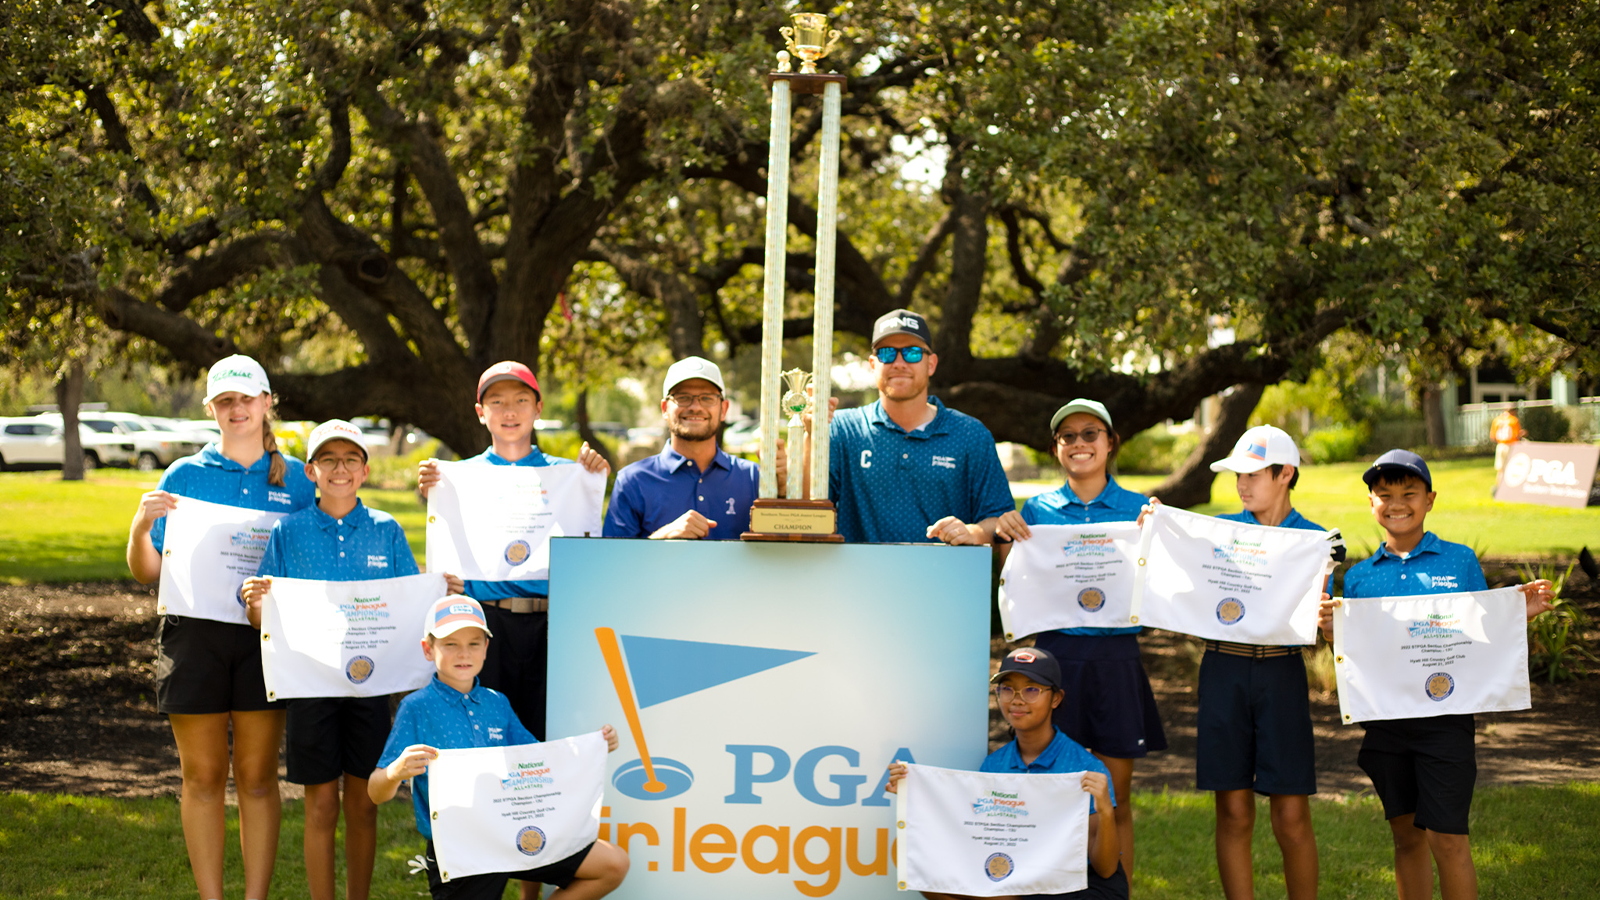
x=760, y=692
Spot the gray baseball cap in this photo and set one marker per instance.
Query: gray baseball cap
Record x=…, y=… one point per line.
x=1092, y=407
x=902, y=321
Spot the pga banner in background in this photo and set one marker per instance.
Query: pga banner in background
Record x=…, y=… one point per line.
x=1431, y=655
x=1069, y=576
x=494, y=523
x=346, y=638
x=760, y=692
x=209, y=550
x=508, y=809
x=1551, y=474
x=992, y=835
x=1229, y=581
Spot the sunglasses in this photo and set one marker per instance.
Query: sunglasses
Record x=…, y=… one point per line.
x=886, y=355
x=1089, y=435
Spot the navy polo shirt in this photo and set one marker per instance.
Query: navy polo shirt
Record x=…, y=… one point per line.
x=366, y=544
x=499, y=590
x=1432, y=567
x=655, y=491
x=1063, y=754
x=446, y=719
x=889, y=484
x=1061, y=506
x=214, y=478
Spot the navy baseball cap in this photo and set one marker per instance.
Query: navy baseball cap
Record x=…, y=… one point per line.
x=1401, y=461
x=1034, y=663
x=902, y=321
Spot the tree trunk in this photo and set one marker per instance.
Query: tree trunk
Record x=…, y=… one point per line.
x=1433, y=416
x=580, y=412
x=1190, y=485
x=69, y=393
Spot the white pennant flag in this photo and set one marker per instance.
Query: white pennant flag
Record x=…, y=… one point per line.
x=494, y=523
x=208, y=552
x=992, y=835
x=346, y=638
x=1230, y=581
x=509, y=809
x=1431, y=655
x=1069, y=576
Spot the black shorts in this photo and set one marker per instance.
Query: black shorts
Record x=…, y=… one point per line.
x=329, y=735
x=515, y=663
x=1423, y=766
x=204, y=666
x=1109, y=707
x=1113, y=888
x=492, y=885
x=1254, y=725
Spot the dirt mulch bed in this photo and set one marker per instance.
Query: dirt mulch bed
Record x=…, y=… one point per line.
x=77, y=705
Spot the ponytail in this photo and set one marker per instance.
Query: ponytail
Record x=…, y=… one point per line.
x=269, y=442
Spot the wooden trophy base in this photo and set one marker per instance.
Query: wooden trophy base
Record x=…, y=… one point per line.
x=793, y=520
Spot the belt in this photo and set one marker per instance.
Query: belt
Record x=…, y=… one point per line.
x=520, y=604
x=1254, y=651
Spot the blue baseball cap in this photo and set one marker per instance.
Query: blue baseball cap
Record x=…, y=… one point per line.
x=1398, y=460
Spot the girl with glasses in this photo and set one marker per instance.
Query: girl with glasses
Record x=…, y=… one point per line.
x=1109, y=706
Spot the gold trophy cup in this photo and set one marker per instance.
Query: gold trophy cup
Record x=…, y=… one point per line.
x=810, y=39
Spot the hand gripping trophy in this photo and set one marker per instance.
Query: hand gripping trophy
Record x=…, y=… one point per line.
x=791, y=515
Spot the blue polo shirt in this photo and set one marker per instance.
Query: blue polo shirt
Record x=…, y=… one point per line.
x=446, y=719
x=889, y=484
x=214, y=478
x=366, y=544
x=655, y=491
x=1434, y=566
x=1063, y=754
x=1061, y=506
x=499, y=590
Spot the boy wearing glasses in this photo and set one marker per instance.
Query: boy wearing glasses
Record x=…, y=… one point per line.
x=339, y=539
x=692, y=489
x=905, y=468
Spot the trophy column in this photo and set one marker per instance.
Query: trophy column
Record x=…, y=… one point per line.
x=791, y=515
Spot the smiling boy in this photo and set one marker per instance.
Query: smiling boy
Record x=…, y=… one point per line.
x=455, y=711
x=1423, y=769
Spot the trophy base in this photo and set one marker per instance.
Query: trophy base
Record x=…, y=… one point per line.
x=793, y=520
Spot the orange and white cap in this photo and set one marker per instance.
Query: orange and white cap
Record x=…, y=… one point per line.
x=449, y=615
x=508, y=370
x=1258, y=448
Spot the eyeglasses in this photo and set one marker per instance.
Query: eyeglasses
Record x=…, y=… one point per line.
x=886, y=355
x=687, y=400
x=1089, y=435
x=1031, y=693
x=330, y=464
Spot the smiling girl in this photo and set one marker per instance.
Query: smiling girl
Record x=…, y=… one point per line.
x=208, y=673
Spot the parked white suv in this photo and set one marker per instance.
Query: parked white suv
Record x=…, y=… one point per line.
x=38, y=442
x=155, y=447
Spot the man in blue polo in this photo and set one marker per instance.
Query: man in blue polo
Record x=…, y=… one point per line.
x=906, y=468
x=692, y=489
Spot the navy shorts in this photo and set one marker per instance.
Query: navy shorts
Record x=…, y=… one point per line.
x=1423, y=766
x=1113, y=888
x=1254, y=725
x=515, y=664
x=492, y=885
x=326, y=736
x=204, y=666
x=1109, y=707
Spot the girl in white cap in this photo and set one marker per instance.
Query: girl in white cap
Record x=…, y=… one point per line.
x=208, y=673
x=1109, y=706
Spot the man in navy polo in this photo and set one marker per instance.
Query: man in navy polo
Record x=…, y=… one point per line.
x=906, y=468
x=692, y=489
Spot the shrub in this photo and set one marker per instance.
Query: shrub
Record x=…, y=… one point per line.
x=1155, y=451
x=1545, y=423
x=1337, y=443
x=400, y=472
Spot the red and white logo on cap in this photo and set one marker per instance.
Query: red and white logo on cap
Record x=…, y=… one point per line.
x=1024, y=655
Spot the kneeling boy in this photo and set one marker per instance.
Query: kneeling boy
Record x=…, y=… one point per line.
x=1422, y=769
x=453, y=712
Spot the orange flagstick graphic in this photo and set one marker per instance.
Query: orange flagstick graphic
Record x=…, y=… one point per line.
x=619, y=680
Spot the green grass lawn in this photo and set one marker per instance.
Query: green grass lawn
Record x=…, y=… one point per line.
x=1529, y=842
x=53, y=530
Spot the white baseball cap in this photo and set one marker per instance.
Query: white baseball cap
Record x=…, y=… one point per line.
x=1258, y=448
x=334, y=430
x=691, y=367
x=236, y=373
x=449, y=615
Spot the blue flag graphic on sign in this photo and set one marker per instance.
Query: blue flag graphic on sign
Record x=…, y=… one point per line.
x=664, y=669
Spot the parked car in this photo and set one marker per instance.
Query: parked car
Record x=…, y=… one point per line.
x=154, y=448
x=38, y=442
